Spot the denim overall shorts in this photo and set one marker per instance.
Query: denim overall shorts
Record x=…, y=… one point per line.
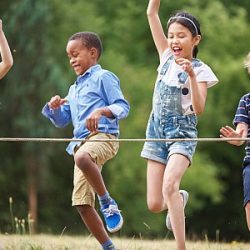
x=167, y=121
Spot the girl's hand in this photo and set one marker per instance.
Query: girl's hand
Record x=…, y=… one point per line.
x=1, y=25
x=56, y=101
x=186, y=65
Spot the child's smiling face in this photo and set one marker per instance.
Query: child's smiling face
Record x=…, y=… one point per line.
x=81, y=58
x=181, y=41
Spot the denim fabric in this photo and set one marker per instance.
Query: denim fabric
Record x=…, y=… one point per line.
x=246, y=184
x=167, y=122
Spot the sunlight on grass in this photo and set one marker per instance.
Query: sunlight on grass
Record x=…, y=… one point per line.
x=49, y=242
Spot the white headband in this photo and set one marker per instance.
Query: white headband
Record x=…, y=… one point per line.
x=186, y=18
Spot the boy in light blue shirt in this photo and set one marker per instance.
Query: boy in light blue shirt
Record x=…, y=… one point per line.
x=94, y=105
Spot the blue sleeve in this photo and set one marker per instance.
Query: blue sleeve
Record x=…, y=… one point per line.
x=60, y=117
x=242, y=111
x=113, y=94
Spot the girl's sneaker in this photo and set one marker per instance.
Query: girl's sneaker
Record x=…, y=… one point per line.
x=185, y=199
x=112, y=216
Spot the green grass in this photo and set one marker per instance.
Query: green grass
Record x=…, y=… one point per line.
x=50, y=242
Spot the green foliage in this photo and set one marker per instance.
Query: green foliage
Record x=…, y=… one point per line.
x=202, y=182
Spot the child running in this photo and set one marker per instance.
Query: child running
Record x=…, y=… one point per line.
x=179, y=96
x=7, y=60
x=94, y=105
x=242, y=122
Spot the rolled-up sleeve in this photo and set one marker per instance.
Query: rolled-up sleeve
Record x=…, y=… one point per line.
x=120, y=111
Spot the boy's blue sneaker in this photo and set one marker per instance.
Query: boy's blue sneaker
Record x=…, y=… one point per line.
x=112, y=216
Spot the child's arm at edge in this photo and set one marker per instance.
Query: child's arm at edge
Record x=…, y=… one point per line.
x=241, y=131
x=7, y=59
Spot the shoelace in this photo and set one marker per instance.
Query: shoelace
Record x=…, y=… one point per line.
x=111, y=210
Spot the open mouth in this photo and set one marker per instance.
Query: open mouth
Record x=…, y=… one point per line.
x=76, y=67
x=176, y=50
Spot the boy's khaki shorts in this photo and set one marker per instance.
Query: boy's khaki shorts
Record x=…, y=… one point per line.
x=100, y=152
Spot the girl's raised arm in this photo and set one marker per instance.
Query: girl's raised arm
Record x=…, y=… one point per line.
x=7, y=60
x=157, y=31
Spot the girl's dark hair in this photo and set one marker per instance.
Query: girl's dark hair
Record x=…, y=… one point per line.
x=89, y=40
x=189, y=22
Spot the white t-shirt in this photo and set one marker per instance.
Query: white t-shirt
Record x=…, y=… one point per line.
x=172, y=78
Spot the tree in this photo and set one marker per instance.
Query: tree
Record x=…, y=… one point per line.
x=24, y=88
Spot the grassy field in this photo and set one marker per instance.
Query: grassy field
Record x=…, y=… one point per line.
x=49, y=242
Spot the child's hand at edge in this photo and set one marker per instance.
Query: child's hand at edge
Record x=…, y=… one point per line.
x=229, y=132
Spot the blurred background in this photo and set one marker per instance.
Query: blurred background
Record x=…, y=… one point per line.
x=38, y=176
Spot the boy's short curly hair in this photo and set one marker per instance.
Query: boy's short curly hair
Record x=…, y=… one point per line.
x=89, y=40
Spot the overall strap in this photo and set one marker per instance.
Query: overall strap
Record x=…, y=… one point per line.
x=183, y=75
x=165, y=67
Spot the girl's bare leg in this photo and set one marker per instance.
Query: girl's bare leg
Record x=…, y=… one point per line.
x=176, y=167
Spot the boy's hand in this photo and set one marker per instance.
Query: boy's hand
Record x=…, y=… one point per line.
x=93, y=120
x=56, y=101
x=229, y=132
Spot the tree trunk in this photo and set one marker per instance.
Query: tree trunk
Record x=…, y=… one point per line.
x=32, y=194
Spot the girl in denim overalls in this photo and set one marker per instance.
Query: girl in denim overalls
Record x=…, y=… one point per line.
x=179, y=95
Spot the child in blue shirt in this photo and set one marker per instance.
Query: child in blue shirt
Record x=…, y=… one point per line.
x=94, y=105
x=242, y=122
x=7, y=60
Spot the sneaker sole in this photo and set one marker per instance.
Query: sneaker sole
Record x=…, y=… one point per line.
x=185, y=196
x=117, y=228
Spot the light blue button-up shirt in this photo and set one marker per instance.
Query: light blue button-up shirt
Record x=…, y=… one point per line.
x=94, y=89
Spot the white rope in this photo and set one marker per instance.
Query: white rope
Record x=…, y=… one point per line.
x=23, y=139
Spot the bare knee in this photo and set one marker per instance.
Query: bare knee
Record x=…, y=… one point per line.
x=248, y=206
x=82, y=160
x=168, y=189
x=155, y=206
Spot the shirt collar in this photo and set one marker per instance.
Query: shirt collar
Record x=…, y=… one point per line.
x=89, y=71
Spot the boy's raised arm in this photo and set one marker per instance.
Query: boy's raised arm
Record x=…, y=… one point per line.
x=157, y=31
